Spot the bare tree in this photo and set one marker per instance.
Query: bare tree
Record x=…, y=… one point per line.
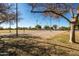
x=9, y=14
x=58, y=10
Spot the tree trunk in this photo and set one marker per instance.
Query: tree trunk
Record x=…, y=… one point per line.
x=78, y=27
x=72, y=33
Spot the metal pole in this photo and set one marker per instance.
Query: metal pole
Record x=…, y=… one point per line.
x=9, y=26
x=16, y=19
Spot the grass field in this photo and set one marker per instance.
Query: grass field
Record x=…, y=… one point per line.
x=38, y=42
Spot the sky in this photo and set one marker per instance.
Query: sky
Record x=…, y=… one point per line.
x=29, y=19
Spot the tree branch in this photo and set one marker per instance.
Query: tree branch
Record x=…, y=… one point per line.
x=2, y=21
x=52, y=12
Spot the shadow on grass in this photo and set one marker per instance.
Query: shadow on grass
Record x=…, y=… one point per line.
x=19, y=36
x=31, y=50
x=18, y=48
x=76, y=42
x=31, y=47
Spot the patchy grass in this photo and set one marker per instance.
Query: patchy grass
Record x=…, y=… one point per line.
x=63, y=37
x=31, y=48
x=35, y=46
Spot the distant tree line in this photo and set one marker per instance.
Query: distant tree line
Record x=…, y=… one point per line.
x=39, y=27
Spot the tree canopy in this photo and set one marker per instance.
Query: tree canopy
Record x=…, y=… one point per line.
x=55, y=10
x=7, y=12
